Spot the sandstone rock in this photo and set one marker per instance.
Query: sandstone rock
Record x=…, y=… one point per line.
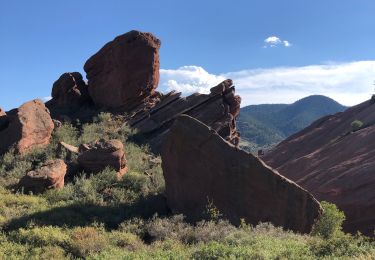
x=200, y=167
x=70, y=148
x=124, y=71
x=219, y=110
x=71, y=99
x=30, y=126
x=69, y=90
x=49, y=176
x=102, y=154
x=335, y=164
x=3, y=119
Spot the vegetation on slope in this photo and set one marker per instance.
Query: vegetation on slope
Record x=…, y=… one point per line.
x=100, y=217
x=263, y=126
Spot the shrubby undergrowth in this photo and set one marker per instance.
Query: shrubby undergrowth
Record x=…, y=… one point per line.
x=101, y=217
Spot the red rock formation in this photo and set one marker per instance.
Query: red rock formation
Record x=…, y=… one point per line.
x=49, y=176
x=95, y=158
x=123, y=76
x=335, y=164
x=30, y=126
x=125, y=71
x=218, y=109
x=200, y=166
x=70, y=98
x=70, y=90
x=3, y=119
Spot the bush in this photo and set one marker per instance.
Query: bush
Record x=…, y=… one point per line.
x=87, y=241
x=330, y=222
x=356, y=125
x=41, y=236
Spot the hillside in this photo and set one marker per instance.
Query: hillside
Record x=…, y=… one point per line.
x=263, y=126
x=334, y=159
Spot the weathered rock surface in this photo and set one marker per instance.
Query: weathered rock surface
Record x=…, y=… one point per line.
x=70, y=98
x=96, y=157
x=199, y=166
x=49, y=176
x=3, y=119
x=125, y=71
x=70, y=89
x=30, y=126
x=218, y=110
x=335, y=164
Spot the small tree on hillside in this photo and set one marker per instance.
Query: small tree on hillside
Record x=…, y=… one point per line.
x=356, y=125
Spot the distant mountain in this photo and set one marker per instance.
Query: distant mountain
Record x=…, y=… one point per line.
x=263, y=126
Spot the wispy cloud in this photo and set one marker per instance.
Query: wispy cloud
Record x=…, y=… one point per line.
x=45, y=99
x=349, y=83
x=274, y=41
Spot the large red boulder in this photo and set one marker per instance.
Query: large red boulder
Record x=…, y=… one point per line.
x=201, y=168
x=49, y=176
x=29, y=127
x=101, y=154
x=125, y=71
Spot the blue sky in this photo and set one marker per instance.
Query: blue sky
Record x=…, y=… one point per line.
x=329, y=50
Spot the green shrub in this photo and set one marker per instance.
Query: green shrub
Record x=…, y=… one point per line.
x=356, y=125
x=125, y=240
x=330, y=222
x=87, y=241
x=41, y=236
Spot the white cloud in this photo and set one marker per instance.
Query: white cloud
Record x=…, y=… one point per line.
x=274, y=41
x=45, y=99
x=189, y=79
x=348, y=83
x=287, y=43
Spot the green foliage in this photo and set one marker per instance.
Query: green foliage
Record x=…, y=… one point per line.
x=356, y=125
x=87, y=241
x=212, y=212
x=330, y=222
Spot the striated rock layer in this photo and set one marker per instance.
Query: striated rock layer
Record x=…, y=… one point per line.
x=125, y=71
x=28, y=127
x=335, y=164
x=218, y=109
x=200, y=168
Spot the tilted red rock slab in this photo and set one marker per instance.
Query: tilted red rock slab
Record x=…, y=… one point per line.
x=335, y=164
x=218, y=109
x=201, y=167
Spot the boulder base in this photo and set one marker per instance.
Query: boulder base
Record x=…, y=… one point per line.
x=200, y=167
